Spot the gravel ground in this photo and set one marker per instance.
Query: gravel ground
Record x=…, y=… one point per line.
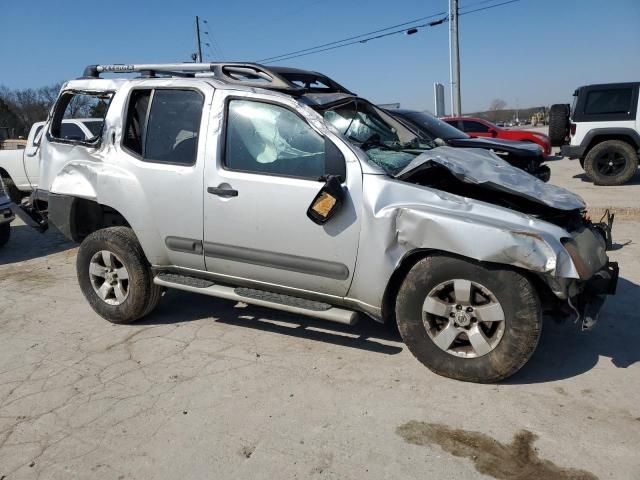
x=205, y=388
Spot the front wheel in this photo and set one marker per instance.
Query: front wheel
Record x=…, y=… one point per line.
x=115, y=277
x=467, y=321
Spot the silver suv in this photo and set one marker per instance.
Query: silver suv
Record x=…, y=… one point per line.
x=280, y=188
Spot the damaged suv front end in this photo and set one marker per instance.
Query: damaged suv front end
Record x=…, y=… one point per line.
x=472, y=203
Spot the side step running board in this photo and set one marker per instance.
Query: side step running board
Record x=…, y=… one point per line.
x=260, y=298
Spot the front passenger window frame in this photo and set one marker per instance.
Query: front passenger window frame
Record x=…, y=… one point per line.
x=330, y=146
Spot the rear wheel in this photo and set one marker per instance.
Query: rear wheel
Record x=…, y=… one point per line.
x=115, y=276
x=5, y=234
x=467, y=321
x=612, y=162
x=559, y=124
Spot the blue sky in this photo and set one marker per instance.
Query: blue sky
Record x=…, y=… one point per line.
x=528, y=53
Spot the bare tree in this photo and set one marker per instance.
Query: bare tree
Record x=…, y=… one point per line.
x=496, y=105
x=28, y=105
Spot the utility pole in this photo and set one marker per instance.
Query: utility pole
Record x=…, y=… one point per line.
x=456, y=48
x=198, y=39
x=450, y=30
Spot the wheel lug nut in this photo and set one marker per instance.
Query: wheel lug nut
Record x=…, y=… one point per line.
x=458, y=307
x=452, y=314
x=469, y=309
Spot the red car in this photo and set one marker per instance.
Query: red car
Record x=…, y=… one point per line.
x=478, y=127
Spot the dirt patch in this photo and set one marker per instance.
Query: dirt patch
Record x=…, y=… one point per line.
x=247, y=451
x=18, y=275
x=517, y=460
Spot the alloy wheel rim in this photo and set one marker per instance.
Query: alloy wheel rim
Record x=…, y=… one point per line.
x=611, y=163
x=463, y=318
x=109, y=277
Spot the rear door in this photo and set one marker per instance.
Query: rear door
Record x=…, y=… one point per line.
x=260, y=178
x=164, y=151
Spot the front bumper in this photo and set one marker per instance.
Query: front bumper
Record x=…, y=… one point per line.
x=572, y=151
x=588, y=303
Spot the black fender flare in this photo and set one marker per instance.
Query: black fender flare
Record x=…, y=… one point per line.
x=610, y=132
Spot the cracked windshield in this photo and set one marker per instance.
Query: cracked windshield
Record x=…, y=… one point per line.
x=387, y=142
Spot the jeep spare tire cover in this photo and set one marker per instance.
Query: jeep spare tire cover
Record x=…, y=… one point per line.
x=559, y=123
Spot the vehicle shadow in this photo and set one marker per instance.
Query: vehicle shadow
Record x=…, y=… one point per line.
x=26, y=244
x=179, y=306
x=564, y=351
x=635, y=180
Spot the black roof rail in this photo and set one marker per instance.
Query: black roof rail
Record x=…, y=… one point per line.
x=288, y=80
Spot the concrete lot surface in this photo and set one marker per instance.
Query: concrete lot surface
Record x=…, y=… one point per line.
x=205, y=388
x=624, y=199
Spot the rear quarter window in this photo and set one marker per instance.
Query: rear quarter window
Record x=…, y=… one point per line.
x=602, y=103
x=74, y=104
x=608, y=101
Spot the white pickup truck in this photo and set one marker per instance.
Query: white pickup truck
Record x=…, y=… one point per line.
x=20, y=167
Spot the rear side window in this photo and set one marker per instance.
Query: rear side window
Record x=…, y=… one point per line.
x=79, y=105
x=474, y=127
x=163, y=125
x=608, y=101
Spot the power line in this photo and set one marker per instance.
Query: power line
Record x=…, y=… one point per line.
x=366, y=37
x=364, y=40
x=277, y=57
x=488, y=7
x=214, y=44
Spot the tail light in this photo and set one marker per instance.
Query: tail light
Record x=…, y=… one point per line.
x=572, y=128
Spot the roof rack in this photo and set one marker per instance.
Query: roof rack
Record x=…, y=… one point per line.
x=247, y=74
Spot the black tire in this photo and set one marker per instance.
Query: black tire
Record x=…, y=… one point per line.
x=14, y=194
x=559, y=124
x=5, y=234
x=512, y=290
x=612, y=162
x=143, y=295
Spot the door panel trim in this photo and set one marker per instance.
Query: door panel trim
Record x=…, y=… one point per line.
x=282, y=261
x=185, y=245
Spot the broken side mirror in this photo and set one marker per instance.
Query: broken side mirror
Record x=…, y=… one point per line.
x=328, y=201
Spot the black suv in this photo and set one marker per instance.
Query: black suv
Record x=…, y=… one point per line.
x=527, y=156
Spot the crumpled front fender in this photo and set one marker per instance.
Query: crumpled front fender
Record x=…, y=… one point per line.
x=406, y=217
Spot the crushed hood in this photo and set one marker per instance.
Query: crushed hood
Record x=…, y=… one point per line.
x=484, y=168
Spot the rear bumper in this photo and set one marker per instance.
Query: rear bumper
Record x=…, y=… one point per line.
x=572, y=151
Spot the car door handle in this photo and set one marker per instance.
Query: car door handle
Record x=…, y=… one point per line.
x=222, y=192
